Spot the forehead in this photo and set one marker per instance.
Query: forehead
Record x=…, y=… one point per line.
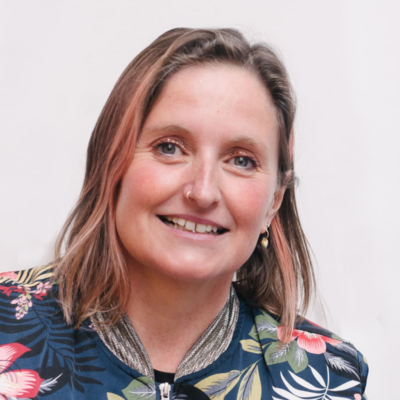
x=217, y=81
x=219, y=99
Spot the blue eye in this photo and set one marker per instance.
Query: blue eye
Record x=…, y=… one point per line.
x=241, y=161
x=167, y=148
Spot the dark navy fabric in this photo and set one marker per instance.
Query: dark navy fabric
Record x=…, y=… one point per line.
x=43, y=357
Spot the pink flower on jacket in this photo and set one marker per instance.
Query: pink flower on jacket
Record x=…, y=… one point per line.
x=20, y=383
x=23, y=303
x=310, y=342
x=41, y=290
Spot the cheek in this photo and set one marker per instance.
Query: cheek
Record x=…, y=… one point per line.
x=144, y=185
x=250, y=203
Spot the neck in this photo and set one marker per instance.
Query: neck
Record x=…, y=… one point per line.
x=170, y=315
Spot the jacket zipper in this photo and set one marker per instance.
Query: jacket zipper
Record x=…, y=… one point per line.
x=165, y=388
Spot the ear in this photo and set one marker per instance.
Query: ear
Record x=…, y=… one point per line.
x=278, y=198
x=278, y=195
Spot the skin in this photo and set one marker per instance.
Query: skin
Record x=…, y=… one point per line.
x=213, y=132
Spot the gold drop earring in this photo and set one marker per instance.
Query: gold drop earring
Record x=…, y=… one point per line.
x=264, y=240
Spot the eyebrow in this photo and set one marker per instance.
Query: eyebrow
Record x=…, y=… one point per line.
x=169, y=129
x=246, y=140
x=173, y=128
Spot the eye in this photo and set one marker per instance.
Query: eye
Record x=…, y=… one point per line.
x=241, y=161
x=167, y=148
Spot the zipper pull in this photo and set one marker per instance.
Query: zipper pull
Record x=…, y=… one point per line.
x=165, y=388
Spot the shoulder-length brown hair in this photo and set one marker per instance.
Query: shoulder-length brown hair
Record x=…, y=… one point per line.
x=92, y=271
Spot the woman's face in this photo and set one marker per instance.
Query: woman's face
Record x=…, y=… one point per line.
x=213, y=132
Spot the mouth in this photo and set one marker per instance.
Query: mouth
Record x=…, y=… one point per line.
x=191, y=226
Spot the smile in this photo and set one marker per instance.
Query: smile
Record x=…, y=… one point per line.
x=187, y=225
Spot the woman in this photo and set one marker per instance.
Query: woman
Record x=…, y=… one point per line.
x=189, y=180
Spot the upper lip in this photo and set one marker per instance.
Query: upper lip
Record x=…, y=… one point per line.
x=195, y=219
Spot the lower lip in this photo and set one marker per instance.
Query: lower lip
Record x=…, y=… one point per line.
x=192, y=235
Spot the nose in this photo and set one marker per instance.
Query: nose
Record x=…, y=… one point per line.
x=204, y=188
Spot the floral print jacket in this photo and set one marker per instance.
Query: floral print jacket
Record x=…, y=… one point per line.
x=41, y=357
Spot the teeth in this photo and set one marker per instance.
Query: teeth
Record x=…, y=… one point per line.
x=200, y=228
x=190, y=226
x=183, y=224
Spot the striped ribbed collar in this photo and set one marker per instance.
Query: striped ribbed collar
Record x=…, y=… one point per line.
x=123, y=341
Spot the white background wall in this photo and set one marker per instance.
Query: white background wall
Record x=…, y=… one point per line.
x=60, y=60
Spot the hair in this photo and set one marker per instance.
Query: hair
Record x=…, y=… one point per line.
x=92, y=272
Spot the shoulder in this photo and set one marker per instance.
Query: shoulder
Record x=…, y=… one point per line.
x=28, y=277
x=315, y=359
x=50, y=356
x=19, y=290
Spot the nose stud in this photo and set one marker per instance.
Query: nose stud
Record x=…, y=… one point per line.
x=188, y=194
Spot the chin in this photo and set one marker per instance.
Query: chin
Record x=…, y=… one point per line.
x=183, y=266
x=196, y=272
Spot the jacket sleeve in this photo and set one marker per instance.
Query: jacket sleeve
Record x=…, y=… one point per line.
x=363, y=371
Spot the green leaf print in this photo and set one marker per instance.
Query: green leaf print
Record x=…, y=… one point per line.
x=112, y=396
x=266, y=326
x=269, y=318
x=143, y=388
x=299, y=360
x=251, y=346
x=216, y=387
x=250, y=386
x=279, y=353
x=254, y=334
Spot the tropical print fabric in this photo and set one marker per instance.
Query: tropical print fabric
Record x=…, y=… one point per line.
x=41, y=357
